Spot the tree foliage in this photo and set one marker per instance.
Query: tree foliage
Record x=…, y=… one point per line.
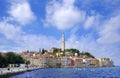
x=73, y=51
x=3, y=61
x=55, y=51
x=11, y=58
x=27, y=62
x=87, y=54
x=43, y=51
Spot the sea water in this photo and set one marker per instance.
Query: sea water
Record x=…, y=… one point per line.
x=106, y=72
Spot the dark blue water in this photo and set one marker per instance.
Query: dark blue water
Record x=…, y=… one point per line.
x=112, y=72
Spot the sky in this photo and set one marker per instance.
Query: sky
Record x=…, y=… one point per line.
x=88, y=25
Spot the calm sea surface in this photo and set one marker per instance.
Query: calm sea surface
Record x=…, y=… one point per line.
x=112, y=72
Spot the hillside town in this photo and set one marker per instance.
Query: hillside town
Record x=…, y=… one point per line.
x=61, y=57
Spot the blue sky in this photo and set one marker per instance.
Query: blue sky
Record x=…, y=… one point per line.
x=89, y=25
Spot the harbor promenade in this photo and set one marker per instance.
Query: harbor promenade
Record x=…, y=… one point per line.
x=4, y=71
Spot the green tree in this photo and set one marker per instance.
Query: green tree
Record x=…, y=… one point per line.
x=3, y=62
x=87, y=54
x=27, y=61
x=67, y=50
x=55, y=51
x=19, y=59
x=73, y=51
x=10, y=58
x=13, y=58
x=1, y=58
x=43, y=51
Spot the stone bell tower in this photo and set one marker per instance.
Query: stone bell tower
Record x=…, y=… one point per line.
x=63, y=42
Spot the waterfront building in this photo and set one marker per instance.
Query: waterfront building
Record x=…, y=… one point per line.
x=65, y=61
x=92, y=62
x=86, y=62
x=78, y=62
x=49, y=59
x=105, y=62
x=76, y=54
x=68, y=54
x=33, y=57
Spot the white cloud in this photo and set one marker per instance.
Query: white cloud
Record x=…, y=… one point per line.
x=110, y=34
x=21, y=12
x=18, y=40
x=23, y=41
x=30, y=42
x=63, y=15
x=90, y=21
x=9, y=30
x=83, y=43
x=34, y=42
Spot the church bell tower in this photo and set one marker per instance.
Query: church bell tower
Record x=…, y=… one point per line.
x=63, y=43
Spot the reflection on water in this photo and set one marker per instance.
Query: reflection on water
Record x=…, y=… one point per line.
x=113, y=72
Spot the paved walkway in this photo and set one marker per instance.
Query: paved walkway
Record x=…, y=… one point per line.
x=4, y=71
